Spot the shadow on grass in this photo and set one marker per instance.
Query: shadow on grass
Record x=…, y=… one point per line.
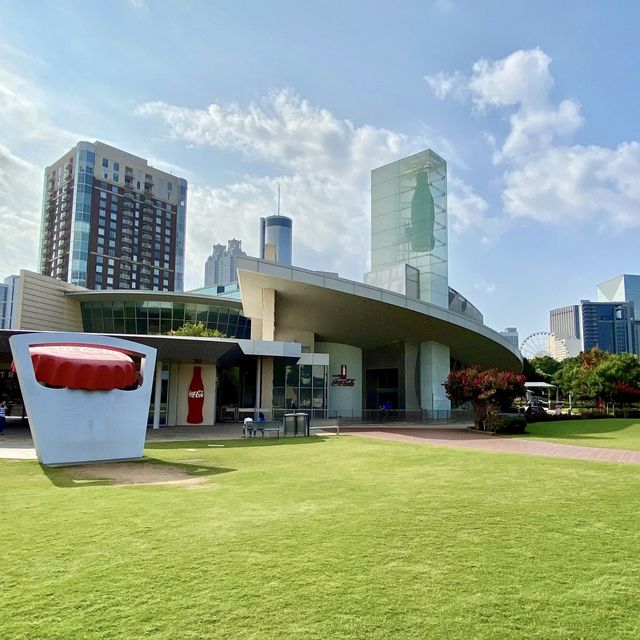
x=234, y=444
x=133, y=472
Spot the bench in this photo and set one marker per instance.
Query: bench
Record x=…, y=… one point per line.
x=270, y=427
x=326, y=427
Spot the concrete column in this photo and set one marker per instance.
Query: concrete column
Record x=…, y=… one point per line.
x=157, y=395
x=268, y=314
x=434, y=369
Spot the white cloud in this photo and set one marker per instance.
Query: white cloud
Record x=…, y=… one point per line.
x=484, y=286
x=521, y=78
x=19, y=212
x=282, y=129
x=26, y=131
x=466, y=208
x=547, y=178
x=445, y=84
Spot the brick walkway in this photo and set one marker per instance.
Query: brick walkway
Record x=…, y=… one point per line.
x=469, y=440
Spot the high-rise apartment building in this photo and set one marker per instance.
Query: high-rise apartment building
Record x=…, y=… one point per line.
x=111, y=221
x=220, y=267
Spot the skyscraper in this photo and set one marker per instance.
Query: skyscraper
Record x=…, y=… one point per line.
x=275, y=239
x=220, y=267
x=606, y=325
x=111, y=221
x=621, y=288
x=625, y=287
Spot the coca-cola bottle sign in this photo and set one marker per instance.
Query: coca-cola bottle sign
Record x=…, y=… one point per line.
x=196, y=398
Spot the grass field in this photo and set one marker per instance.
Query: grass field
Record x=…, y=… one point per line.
x=614, y=433
x=323, y=538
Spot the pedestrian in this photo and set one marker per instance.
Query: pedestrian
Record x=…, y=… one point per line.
x=3, y=414
x=247, y=427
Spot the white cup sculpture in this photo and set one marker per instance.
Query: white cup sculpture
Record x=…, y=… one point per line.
x=84, y=398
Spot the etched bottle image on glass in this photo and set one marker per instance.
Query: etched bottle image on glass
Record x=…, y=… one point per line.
x=422, y=215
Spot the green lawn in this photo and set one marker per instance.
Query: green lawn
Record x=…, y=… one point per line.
x=613, y=433
x=324, y=538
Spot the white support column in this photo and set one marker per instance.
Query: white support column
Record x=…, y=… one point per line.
x=157, y=395
x=434, y=369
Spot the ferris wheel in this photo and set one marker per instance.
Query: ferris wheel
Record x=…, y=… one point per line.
x=539, y=344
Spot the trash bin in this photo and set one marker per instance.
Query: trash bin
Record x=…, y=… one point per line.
x=296, y=424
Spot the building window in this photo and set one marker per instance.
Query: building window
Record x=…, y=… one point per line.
x=105, y=162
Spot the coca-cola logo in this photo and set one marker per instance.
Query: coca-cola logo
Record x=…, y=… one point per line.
x=196, y=394
x=341, y=379
x=346, y=382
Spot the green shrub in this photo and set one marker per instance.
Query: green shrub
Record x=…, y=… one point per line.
x=508, y=424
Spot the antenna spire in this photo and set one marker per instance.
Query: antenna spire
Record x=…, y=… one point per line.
x=278, y=198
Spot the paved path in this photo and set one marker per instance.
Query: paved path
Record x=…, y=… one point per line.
x=469, y=440
x=17, y=443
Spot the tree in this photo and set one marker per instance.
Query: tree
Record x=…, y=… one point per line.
x=487, y=389
x=545, y=367
x=599, y=375
x=619, y=369
x=196, y=330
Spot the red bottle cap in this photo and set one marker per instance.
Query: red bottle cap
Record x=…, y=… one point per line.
x=82, y=367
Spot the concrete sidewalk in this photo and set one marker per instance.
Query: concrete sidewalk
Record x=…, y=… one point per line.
x=16, y=442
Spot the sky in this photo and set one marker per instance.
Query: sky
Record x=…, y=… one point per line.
x=533, y=105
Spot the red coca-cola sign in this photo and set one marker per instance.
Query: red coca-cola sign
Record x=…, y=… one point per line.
x=341, y=379
x=196, y=398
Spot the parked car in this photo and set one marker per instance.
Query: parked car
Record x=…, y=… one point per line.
x=535, y=410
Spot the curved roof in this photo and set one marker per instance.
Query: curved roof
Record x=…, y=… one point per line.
x=347, y=312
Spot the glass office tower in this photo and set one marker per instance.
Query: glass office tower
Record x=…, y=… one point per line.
x=409, y=223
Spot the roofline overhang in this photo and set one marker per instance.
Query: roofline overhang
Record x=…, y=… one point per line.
x=344, y=311
x=155, y=296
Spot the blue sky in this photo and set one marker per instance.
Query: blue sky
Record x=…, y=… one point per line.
x=533, y=105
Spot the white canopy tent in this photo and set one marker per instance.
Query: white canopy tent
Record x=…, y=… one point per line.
x=539, y=387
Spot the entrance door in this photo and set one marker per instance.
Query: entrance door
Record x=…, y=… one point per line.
x=382, y=387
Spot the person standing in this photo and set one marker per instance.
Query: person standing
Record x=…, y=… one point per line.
x=3, y=414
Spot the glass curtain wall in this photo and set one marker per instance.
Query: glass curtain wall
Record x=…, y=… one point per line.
x=159, y=318
x=300, y=388
x=409, y=221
